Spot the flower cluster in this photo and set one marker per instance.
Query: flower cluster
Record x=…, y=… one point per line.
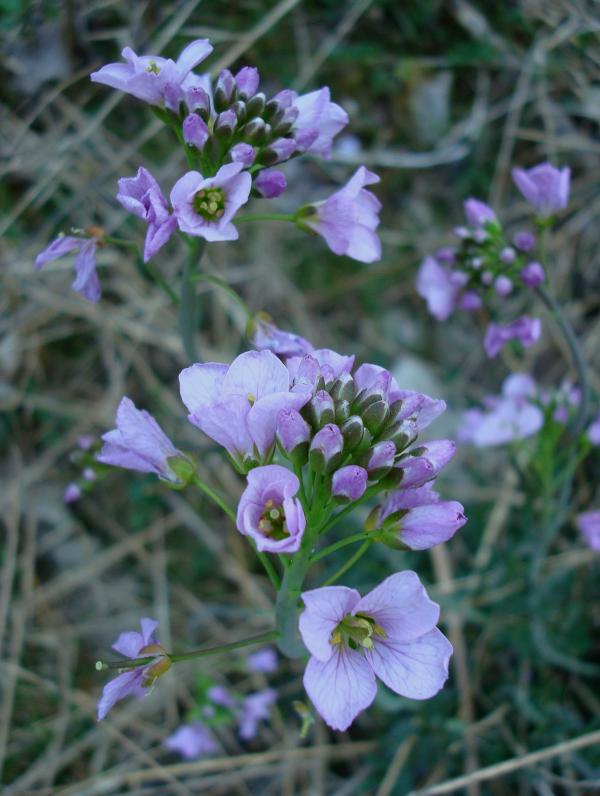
x=233, y=136
x=485, y=265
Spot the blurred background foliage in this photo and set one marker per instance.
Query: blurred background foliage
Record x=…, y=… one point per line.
x=444, y=97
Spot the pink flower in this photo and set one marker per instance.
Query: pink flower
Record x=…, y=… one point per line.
x=389, y=633
x=348, y=219
x=204, y=207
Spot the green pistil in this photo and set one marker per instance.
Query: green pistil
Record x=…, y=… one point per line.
x=210, y=203
x=153, y=67
x=272, y=522
x=356, y=632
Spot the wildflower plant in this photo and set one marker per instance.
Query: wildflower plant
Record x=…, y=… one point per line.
x=312, y=434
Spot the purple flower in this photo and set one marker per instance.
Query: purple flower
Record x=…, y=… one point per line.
x=526, y=330
x=255, y=708
x=593, y=432
x=264, y=335
x=508, y=255
x=478, y=213
x=262, y=661
x=524, y=241
x=86, y=279
x=72, y=493
x=533, y=274
x=192, y=741
x=589, y=525
x=238, y=405
x=349, y=483
x=326, y=449
x=219, y=695
x=195, y=131
x=152, y=78
x=141, y=195
x=470, y=301
x=389, y=633
x=319, y=121
x=419, y=519
x=509, y=417
x=347, y=220
x=242, y=153
x=247, y=80
x=269, y=512
x=503, y=286
x=422, y=464
x=292, y=431
x=545, y=187
x=439, y=287
x=270, y=183
x=139, y=443
x=204, y=207
x=136, y=681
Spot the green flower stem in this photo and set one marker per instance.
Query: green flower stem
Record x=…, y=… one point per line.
x=347, y=510
x=573, y=345
x=214, y=496
x=126, y=244
x=153, y=272
x=287, y=607
x=266, y=217
x=350, y=562
x=220, y=283
x=357, y=537
x=269, y=569
x=133, y=663
x=189, y=308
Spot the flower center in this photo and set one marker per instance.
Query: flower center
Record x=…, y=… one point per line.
x=153, y=68
x=210, y=203
x=357, y=632
x=272, y=522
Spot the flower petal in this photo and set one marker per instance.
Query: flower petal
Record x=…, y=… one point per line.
x=325, y=609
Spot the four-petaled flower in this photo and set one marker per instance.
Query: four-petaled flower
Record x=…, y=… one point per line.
x=192, y=741
x=141, y=195
x=86, y=279
x=389, y=633
x=139, y=680
x=269, y=511
x=545, y=187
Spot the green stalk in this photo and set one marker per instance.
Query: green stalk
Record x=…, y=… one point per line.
x=357, y=537
x=214, y=496
x=266, y=217
x=350, y=562
x=133, y=663
x=189, y=307
x=220, y=283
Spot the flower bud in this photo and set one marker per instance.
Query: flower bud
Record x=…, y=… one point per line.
x=287, y=121
x=320, y=410
x=225, y=124
x=270, y=183
x=349, y=483
x=293, y=433
x=198, y=101
x=242, y=153
x=158, y=667
x=533, y=274
x=255, y=131
x=377, y=390
x=524, y=241
x=503, y=286
x=256, y=105
x=508, y=255
x=195, y=131
x=326, y=449
x=478, y=213
x=344, y=388
x=342, y=411
x=173, y=95
x=379, y=460
x=375, y=415
x=224, y=92
x=247, y=80
x=470, y=301
x=401, y=433
x=184, y=468
x=239, y=108
x=352, y=431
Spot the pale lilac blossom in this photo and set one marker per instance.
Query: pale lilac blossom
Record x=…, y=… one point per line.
x=593, y=432
x=439, y=287
x=319, y=121
x=525, y=329
x=192, y=741
x=263, y=661
x=86, y=279
x=72, y=493
x=478, y=213
x=418, y=518
x=254, y=709
x=389, y=633
x=142, y=196
x=533, y=274
x=269, y=511
x=589, y=524
x=349, y=483
x=270, y=183
x=265, y=335
x=545, y=187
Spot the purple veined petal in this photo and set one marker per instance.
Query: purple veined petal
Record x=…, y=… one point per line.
x=401, y=606
x=318, y=113
x=341, y=687
x=210, y=232
x=429, y=408
x=86, y=279
x=415, y=669
x=148, y=627
x=129, y=643
x=113, y=75
x=133, y=191
x=325, y=609
x=338, y=363
x=192, y=741
x=58, y=248
x=256, y=374
x=201, y=384
x=225, y=422
x=192, y=55
x=364, y=245
x=157, y=236
x=272, y=477
x=426, y=526
x=263, y=416
x=185, y=188
x=123, y=685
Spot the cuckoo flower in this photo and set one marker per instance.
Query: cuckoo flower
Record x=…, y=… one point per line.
x=478, y=213
x=255, y=708
x=270, y=183
x=86, y=279
x=318, y=122
x=269, y=511
x=526, y=330
x=139, y=443
x=349, y=483
x=423, y=463
x=263, y=661
x=389, y=633
x=589, y=524
x=154, y=79
x=204, y=207
x=264, y=335
x=238, y=405
x=192, y=741
x=440, y=288
x=418, y=519
x=347, y=220
x=141, y=195
x=545, y=187
x=136, y=681
x=593, y=432
x=508, y=417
